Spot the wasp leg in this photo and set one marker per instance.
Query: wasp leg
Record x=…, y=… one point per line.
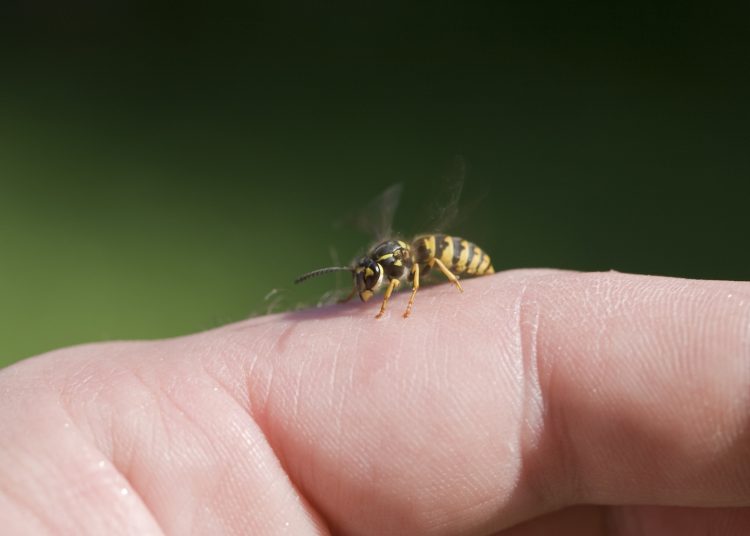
x=414, y=289
x=393, y=284
x=447, y=273
x=349, y=297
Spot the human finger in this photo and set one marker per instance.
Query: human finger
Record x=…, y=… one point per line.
x=528, y=392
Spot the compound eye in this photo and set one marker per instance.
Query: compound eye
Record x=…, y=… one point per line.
x=372, y=275
x=369, y=275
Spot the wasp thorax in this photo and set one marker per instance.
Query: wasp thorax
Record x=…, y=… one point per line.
x=368, y=276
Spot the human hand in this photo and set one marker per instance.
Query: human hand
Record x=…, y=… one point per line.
x=536, y=402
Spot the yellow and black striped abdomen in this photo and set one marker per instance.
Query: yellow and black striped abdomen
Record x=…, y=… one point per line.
x=459, y=255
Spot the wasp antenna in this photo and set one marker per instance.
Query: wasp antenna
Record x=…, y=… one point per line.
x=322, y=271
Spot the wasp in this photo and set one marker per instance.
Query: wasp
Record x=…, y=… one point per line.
x=391, y=261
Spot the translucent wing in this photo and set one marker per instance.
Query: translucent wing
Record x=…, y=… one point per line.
x=376, y=219
x=444, y=210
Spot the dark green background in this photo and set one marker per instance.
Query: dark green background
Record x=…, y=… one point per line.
x=164, y=165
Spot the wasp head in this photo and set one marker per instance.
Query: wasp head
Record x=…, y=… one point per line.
x=368, y=276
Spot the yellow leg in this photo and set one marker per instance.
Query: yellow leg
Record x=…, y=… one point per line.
x=393, y=284
x=414, y=289
x=447, y=273
x=350, y=296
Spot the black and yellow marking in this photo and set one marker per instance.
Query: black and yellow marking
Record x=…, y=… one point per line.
x=458, y=255
x=392, y=261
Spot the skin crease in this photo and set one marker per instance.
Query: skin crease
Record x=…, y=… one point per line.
x=536, y=402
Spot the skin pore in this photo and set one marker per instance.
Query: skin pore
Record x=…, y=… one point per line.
x=535, y=402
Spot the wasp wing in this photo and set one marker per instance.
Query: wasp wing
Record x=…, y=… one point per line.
x=443, y=211
x=376, y=218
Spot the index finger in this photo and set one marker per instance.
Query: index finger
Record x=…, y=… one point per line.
x=528, y=392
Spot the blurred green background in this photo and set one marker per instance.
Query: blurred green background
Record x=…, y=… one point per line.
x=163, y=166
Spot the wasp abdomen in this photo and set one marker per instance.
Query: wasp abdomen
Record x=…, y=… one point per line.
x=459, y=255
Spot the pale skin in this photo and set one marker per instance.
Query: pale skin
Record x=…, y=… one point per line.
x=535, y=402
